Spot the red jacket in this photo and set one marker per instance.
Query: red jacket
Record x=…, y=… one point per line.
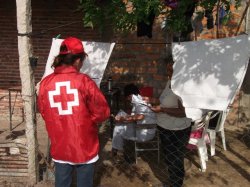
x=72, y=106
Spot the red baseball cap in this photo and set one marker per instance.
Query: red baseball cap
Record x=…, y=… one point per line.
x=71, y=45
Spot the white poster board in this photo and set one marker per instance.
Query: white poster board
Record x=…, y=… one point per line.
x=95, y=63
x=208, y=73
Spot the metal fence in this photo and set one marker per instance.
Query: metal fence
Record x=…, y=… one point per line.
x=146, y=168
x=124, y=169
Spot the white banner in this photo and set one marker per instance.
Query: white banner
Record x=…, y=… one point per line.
x=95, y=63
x=208, y=73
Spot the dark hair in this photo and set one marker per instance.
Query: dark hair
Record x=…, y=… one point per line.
x=131, y=89
x=67, y=59
x=169, y=59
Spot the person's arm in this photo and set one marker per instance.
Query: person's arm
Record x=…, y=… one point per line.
x=134, y=118
x=96, y=101
x=176, y=112
x=136, y=115
x=138, y=112
x=129, y=118
x=151, y=100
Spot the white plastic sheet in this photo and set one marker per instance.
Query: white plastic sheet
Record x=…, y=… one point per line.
x=208, y=73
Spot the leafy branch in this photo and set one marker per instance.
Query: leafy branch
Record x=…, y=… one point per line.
x=123, y=15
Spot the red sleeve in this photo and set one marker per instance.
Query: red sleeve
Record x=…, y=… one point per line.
x=97, y=103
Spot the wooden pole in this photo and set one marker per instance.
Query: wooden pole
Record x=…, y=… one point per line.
x=218, y=20
x=24, y=28
x=242, y=17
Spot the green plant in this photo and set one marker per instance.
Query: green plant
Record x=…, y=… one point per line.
x=97, y=13
x=123, y=15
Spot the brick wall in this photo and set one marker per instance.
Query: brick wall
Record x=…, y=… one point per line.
x=130, y=61
x=46, y=14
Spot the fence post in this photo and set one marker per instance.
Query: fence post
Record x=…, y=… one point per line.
x=24, y=28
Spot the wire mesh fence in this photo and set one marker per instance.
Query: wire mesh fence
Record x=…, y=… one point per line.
x=128, y=168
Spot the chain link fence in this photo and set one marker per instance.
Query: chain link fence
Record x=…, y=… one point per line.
x=146, y=168
x=151, y=168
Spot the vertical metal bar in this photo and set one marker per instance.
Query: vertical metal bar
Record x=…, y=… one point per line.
x=10, y=111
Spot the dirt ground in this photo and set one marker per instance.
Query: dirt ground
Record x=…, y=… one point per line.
x=226, y=168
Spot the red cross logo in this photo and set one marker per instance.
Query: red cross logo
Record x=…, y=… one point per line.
x=64, y=106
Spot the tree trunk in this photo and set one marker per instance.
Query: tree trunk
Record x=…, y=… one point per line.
x=24, y=28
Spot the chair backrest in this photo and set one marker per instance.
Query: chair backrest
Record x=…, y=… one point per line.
x=217, y=122
x=206, y=121
x=221, y=121
x=199, y=132
x=214, y=122
x=200, y=123
x=199, y=129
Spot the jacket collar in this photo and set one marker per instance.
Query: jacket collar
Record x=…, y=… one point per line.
x=65, y=69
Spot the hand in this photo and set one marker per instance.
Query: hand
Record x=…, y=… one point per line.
x=146, y=99
x=129, y=118
x=156, y=108
x=119, y=118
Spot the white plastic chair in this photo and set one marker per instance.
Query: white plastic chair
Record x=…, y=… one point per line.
x=200, y=143
x=218, y=129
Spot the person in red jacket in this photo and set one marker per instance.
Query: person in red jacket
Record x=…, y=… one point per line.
x=72, y=106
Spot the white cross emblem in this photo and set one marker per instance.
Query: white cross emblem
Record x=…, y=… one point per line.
x=58, y=105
